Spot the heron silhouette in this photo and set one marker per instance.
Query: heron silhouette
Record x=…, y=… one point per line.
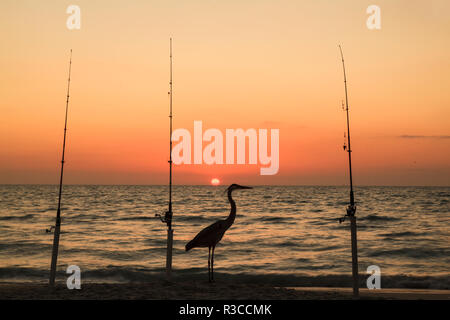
x=211, y=235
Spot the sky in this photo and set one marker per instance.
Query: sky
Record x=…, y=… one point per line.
x=236, y=64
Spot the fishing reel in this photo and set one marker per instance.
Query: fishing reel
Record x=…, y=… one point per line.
x=167, y=217
x=53, y=227
x=351, y=210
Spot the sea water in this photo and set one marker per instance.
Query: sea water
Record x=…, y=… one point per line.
x=286, y=235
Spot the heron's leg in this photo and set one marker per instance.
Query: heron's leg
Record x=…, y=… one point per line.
x=212, y=263
x=209, y=264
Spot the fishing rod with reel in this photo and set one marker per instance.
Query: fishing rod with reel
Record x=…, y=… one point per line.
x=57, y=227
x=351, y=209
x=167, y=218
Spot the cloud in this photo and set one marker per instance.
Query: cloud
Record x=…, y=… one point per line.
x=407, y=136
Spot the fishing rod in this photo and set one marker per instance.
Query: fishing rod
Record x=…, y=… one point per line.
x=168, y=214
x=57, y=227
x=351, y=209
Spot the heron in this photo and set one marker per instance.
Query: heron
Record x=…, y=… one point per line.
x=211, y=235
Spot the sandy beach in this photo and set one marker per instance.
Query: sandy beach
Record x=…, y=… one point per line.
x=204, y=291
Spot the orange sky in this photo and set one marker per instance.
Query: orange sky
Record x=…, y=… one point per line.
x=237, y=64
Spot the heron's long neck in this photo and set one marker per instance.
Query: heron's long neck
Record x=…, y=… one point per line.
x=232, y=215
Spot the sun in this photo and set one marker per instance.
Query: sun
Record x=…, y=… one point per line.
x=215, y=182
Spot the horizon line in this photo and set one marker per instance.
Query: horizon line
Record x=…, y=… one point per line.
x=221, y=185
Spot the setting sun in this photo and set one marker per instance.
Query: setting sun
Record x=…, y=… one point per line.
x=215, y=182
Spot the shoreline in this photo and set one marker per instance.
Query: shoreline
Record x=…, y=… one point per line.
x=200, y=290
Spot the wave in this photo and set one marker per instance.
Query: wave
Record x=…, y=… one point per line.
x=402, y=234
x=135, y=218
x=374, y=217
x=416, y=253
x=140, y=274
x=24, y=217
x=274, y=219
x=15, y=248
x=186, y=218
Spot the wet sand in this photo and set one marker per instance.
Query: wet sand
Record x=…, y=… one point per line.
x=203, y=291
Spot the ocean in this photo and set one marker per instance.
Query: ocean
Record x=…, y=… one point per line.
x=286, y=235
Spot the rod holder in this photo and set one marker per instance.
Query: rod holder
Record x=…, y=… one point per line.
x=54, y=255
x=169, y=254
